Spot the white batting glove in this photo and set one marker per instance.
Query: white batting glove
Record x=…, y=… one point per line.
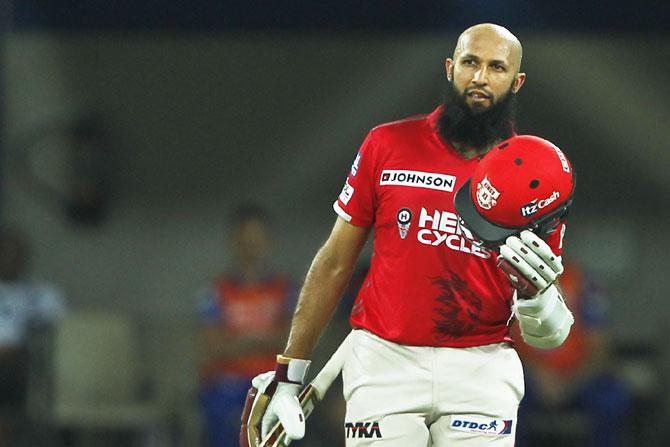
x=535, y=267
x=284, y=385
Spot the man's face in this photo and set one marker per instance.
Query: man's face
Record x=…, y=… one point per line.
x=251, y=241
x=483, y=69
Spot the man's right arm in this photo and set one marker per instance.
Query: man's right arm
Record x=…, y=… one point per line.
x=325, y=282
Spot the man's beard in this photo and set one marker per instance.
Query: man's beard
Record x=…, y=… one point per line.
x=459, y=125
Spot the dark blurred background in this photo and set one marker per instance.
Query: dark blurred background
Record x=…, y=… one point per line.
x=131, y=129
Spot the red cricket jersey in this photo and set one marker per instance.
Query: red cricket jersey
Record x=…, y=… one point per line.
x=428, y=284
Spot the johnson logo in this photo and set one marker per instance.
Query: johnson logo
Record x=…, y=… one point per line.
x=418, y=179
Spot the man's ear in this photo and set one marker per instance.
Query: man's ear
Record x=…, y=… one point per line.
x=518, y=82
x=449, y=67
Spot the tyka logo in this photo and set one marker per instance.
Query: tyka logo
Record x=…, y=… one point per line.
x=363, y=430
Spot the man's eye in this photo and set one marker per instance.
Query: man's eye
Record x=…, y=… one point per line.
x=499, y=67
x=468, y=62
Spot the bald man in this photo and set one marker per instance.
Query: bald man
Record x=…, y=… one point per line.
x=431, y=360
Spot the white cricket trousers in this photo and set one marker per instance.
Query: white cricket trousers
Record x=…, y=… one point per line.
x=417, y=396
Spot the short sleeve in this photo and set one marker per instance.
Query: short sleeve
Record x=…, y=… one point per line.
x=355, y=203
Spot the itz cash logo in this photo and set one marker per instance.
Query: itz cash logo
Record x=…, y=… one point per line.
x=533, y=207
x=363, y=430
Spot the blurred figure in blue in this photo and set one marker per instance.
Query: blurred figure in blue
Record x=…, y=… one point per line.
x=244, y=319
x=24, y=304
x=579, y=374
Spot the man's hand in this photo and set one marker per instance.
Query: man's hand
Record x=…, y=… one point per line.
x=533, y=268
x=285, y=407
x=275, y=399
x=529, y=262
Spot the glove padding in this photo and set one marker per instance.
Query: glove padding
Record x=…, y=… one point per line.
x=533, y=268
x=285, y=407
x=530, y=263
x=544, y=320
x=273, y=398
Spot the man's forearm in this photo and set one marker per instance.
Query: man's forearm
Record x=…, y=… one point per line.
x=323, y=288
x=327, y=277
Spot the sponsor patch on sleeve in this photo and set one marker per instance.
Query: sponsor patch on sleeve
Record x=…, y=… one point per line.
x=355, y=165
x=347, y=192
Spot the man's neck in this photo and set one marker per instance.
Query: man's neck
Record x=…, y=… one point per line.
x=250, y=273
x=470, y=152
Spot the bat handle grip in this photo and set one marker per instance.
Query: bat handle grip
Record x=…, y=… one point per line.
x=248, y=403
x=519, y=282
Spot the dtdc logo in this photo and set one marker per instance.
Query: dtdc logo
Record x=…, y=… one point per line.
x=485, y=426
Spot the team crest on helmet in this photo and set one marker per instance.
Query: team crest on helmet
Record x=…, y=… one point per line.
x=487, y=195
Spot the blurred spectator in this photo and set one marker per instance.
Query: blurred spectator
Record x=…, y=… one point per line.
x=24, y=303
x=578, y=375
x=244, y=319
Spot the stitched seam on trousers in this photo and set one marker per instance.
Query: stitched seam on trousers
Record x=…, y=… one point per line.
x=433, y=388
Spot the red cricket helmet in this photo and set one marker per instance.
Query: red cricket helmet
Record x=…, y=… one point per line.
x=525, y=182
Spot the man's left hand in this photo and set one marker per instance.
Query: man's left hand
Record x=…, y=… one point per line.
x=530, y=263
x=272, y=398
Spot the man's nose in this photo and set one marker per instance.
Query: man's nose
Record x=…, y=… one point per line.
x=480, y=76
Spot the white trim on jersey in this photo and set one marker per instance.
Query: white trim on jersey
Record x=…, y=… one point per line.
x=340, y=212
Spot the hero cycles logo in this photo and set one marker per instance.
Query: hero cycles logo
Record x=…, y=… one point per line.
x=447, y=228
x=363, y=429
